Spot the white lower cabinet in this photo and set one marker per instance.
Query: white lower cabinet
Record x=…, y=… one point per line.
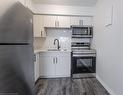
x=36, y=66
x=63, y=66
x=55, y=64
x=46, y=66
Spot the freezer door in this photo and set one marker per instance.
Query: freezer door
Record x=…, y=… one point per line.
x=16, y=70
x=16, y=25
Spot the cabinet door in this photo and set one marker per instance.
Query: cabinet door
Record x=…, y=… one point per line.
x=47, y=66
x=36, y=64
x=63, y=66
x=88, y=20
x=50, y=21
x=64, y=21
x=81, y=21
x=76, y=21
x=39, y=26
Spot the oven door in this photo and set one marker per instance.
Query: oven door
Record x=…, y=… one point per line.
x=84, y=64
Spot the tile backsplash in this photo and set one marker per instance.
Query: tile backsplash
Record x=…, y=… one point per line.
x=64, y=36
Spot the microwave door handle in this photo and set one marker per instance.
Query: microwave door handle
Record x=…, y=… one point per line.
x=88, y=31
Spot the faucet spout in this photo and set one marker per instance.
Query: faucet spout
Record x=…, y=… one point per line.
x=58, y=46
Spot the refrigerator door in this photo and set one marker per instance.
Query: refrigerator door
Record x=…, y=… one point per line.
x=16, y=25
x=16, y=70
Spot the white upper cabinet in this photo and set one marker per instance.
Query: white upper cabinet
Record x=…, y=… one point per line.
x=81, y=21
x=38, y=24
x=42, y=21
x=50, y=21
x=57, y=21
x=64, y=21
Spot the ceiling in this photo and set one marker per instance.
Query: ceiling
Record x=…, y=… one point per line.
x=67, y=2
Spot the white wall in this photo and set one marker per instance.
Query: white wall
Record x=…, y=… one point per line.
x=109, y=46
x=62, y=10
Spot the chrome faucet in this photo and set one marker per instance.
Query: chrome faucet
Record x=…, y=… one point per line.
x=58, y=46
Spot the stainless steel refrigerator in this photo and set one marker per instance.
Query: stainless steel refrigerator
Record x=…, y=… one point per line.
x=16, y=52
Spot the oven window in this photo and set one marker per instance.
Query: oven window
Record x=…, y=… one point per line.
x=84, y=63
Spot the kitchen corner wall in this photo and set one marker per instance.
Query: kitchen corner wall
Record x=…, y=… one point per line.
x=108, y=43
x=64, y=36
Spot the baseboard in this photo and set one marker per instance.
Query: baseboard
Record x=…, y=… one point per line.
x=105, y=86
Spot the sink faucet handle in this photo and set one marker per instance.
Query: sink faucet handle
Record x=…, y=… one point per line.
x=59, y=47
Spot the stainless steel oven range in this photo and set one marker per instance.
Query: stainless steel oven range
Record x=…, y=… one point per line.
x=83, y=59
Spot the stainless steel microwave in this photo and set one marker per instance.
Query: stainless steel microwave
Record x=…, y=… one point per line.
x=82, y=31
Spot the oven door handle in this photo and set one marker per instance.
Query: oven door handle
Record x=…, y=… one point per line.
x=84, y=55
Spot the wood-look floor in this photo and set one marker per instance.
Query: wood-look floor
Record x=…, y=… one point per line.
x=68, y=86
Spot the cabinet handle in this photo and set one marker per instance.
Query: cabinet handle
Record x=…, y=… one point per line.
x=80, y=22
x=35, y=58
x=56, y=23
x=41, y=33
x=56, y=60
x=53, y=60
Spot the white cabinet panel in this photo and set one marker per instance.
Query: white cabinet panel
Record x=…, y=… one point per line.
x=47, y=67
x=87, y=20
x=81, y=20
x=36, y=66
x=57, y=21
x=64, y=21
x=50, y=21
x=39, y=26
x=75, y=21
x=63, y=66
